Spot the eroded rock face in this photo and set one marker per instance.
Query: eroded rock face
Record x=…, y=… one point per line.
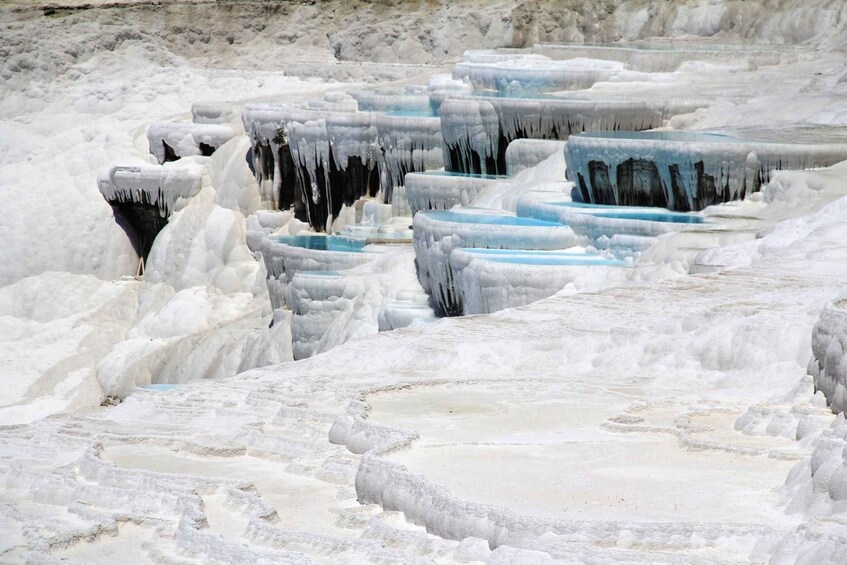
x=143, y=197
x=142, y=222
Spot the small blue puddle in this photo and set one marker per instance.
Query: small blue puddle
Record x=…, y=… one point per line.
x=555, y=258
x=668, y=217
x=521, y=94
x=158, y=387
x=322, y=242
x=486, y=219
x=367, y=234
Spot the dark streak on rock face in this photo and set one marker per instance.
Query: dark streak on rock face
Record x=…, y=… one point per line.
x=471, y=163
x=170, y=154
x=341, y=187
x=206, y=150
x=289, y=187
x=638, y=183
x=406, y=166
x=142, y=222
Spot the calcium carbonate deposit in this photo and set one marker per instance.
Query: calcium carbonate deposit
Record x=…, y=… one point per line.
x=442, y=282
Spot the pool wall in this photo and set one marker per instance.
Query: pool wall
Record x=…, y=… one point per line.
x=407, y=144
x=477, y=131
x=683, y=174
x=487, y=286
x=436, y=236
x=442, y=192
x=283, y=261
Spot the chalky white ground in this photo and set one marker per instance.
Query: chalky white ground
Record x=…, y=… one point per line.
x=665, y=418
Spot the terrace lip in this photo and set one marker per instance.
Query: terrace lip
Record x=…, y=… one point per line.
x=684, y=136
x=644, y=214
x=552, y=258
x=478, y=217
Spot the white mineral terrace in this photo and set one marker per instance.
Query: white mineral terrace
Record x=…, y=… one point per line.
x=386, y=302
x=442, y=191
x=161, y=186
x=480, y=128
x=408, y=144
x=684, y=170
x=186, y=139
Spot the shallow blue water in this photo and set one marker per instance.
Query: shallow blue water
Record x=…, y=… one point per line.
x=158, y=387
x=486, y=219
x=669, y=217
x=524, y=94
x=322, y=242
x=618, y=212
x=555, y=258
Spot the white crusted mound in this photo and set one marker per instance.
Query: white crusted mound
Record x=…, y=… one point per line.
x=523, y=154
x=213, y=113
x=829, y=362
x=186, y=140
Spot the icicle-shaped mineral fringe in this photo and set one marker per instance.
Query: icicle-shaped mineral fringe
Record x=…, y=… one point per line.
x=470, y=131
x=171, y=140
x=443, y=191
x=159, y=186
x=143, y=197
x=477, y=131
x=436, y=237
x=309, y=144
x=334, y=156
x=265, y=124
x=683, y=171
x=337, y=162
x=409, y=144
